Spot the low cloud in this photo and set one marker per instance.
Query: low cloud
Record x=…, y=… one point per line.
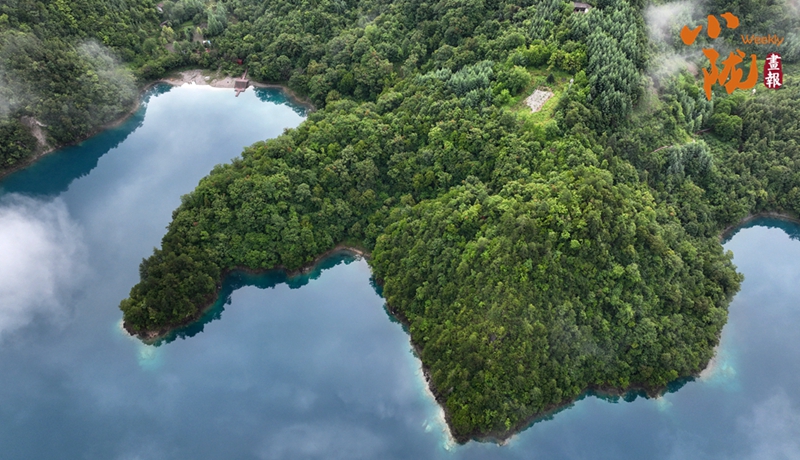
x=114, y=81
x=13, y=92
x=664, y=23
x=42, y=257
x=5, y=91
x=110, y=71
x=113, y=86
x=794, y=6
x=669, y=63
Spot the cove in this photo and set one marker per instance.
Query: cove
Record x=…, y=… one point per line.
x=309, y=366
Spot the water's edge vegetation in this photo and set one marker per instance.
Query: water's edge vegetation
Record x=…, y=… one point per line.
x=45, y=150
x=626, y=288
x=532, y=256
x=155, y=336
x=630, y=392
x=727, y=233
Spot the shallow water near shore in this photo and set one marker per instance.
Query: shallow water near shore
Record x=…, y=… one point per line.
x=309, y=366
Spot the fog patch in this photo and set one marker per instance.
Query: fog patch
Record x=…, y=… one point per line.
x=116, y=79
x=6, y=94
x=669, y=63
x=42, y=258
x=794, y=6
x=13, y=92
x=109, y=69
x=664, y=22
x=113, y=84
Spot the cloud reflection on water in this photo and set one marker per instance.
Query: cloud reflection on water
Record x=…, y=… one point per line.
x=773, y=430
x=320, y=440
x=42, y=259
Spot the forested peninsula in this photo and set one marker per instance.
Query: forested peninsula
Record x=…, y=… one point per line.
x=533, y=256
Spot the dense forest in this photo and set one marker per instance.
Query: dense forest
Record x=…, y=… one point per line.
x=532, y=255
x=67, y=68
x=55, y=71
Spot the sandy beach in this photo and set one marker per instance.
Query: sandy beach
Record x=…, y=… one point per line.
x=216, y=79
x=200, y=77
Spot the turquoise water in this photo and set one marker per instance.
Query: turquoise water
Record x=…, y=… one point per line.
x=313, y=366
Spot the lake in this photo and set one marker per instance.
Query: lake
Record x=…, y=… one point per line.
x=309, y=367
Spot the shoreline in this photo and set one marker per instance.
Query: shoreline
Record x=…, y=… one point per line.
x=106, y=126
x=150, y=337
x=194, y=76
x=656, y=392
x=497, y=437
x=214, y=79
x=728, y=231
x=502, y=438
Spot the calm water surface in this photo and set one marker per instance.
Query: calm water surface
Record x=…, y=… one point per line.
x=309, y=367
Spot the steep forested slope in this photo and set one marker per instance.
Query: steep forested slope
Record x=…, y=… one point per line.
x=67, y=68
x=60, y=69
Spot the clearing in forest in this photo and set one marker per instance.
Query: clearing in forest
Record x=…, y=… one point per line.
x=536, y=100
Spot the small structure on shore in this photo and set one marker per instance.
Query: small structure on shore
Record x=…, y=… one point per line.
x=241, y=84
x=581, y=7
